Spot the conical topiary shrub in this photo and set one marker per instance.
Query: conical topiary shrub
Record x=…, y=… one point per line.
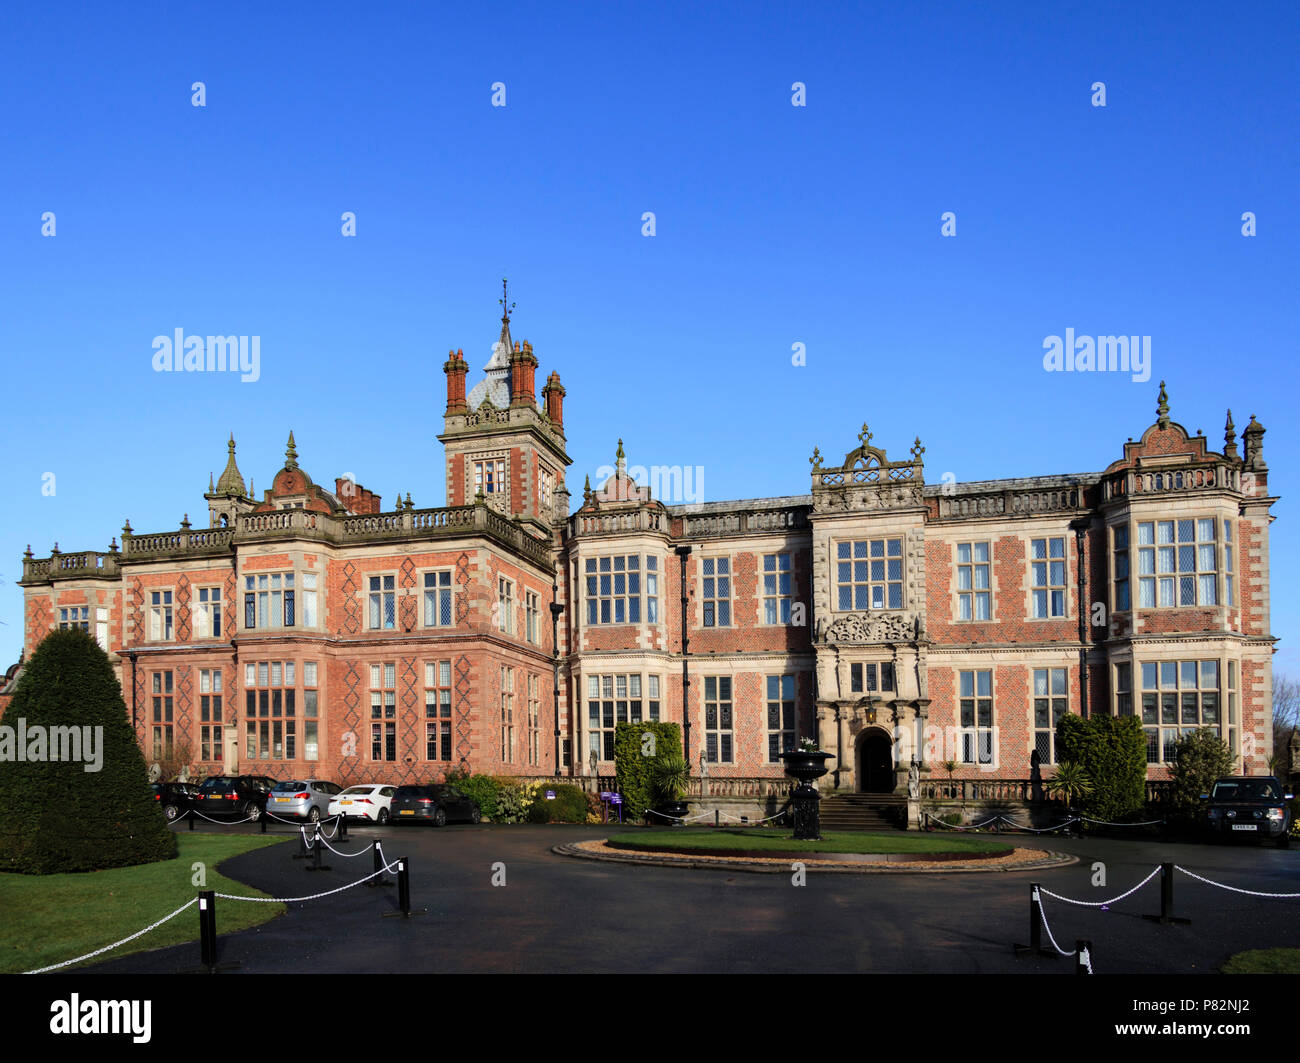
x=57, y=816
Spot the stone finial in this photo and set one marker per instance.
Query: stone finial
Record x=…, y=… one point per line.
x=586, y=490
x=185, y=522
x=1230, y=439
x=917, y=450
x=56, y=547
x=28, y=553
x=1162, y=407
x=864, y=437
x=816, y=460
x=1253, y=438
x=409, y=504
x=126, y=528
x=112, y=546
x=212, y=487
x=291, y=453
x=620, y=461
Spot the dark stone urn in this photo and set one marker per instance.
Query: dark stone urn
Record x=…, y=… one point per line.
x=806, y=766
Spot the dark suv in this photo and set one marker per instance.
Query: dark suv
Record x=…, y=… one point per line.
x=175, y=798
x=1248, y=807
x=234, y=796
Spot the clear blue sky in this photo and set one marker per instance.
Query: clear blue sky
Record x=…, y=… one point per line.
x=776, y=225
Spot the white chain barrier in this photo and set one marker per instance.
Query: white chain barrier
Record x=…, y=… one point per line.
x=107, y=948
x=223, y=822
x=1038, y=830
x=1234, y=889
x=1107, y=823
x=336, y=852
x=953, y=826
x=1042, y=912
x=1102, y=904
x=314, y=896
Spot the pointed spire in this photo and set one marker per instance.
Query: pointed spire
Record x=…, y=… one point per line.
x=620, y=459
x=1162, y=408
x=230, y=482
x=291, y=453
x=212, y=490
x=1230, y=439
x=505, y=344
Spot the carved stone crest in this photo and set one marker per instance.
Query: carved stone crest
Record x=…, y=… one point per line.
x=872, y=627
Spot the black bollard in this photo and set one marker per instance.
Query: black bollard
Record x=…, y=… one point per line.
x=192, y=818
x=343, y=827
x=317, y=846
x=303, y=852
x=1166, y=915
x=263, y=822
x=379, y=879
x=716, y=823
x=403, y=887
x=208, y=928
x=1035, y=926
x=1082, y=957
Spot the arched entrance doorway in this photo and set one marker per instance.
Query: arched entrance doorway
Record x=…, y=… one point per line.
x=875, y=767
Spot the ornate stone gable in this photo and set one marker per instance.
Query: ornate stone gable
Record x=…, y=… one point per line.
x=868, y=480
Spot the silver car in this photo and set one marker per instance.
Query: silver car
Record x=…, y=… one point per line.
x=301, y=799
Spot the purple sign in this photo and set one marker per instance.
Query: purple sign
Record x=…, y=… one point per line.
x=550, y=795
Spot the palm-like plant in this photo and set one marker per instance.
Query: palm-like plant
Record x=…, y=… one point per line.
x=951, y=766
x=670, y=777
x=1070, y=782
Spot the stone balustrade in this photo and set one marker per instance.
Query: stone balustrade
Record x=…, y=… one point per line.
x=406, y=524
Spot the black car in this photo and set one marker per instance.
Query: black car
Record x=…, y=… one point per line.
x=234, y=796
x=1248, y=807
x=176, y=798
x=432, y=804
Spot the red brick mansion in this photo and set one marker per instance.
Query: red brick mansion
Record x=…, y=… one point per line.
x=312, y=631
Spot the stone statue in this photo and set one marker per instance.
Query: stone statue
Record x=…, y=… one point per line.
x=913, y=781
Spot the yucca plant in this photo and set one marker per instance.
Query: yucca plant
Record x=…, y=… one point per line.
x=1070, y=782
x=951, y=766
x=670, y=777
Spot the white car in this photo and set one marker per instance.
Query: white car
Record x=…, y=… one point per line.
x=369, y=802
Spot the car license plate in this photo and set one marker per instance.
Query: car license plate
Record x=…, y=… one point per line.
x=282, y=799
x=1243, y=826
x=345, y=802
x=407, y=812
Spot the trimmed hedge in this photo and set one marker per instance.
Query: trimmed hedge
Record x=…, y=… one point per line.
x=485, y=789
x=59, y=817
x=1201, y=758
x=568, y=806
x=1113, y=751
x=633, y=765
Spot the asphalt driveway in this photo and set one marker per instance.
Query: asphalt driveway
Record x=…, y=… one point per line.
x=555, y=914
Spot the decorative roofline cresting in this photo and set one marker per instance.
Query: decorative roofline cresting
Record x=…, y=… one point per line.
x=868, y=479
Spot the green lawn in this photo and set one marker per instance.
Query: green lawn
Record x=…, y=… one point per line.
x=1264, y=961
x=756, y=839
x=49, y=918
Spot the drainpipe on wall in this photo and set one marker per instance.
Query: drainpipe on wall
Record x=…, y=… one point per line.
x=683, y=552
x=1085, y=611
x=134, y=719
x=556, y=610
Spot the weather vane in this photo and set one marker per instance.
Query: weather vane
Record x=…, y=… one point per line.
x=506, y=307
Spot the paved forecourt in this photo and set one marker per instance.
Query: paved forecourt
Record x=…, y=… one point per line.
x=557, y=914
